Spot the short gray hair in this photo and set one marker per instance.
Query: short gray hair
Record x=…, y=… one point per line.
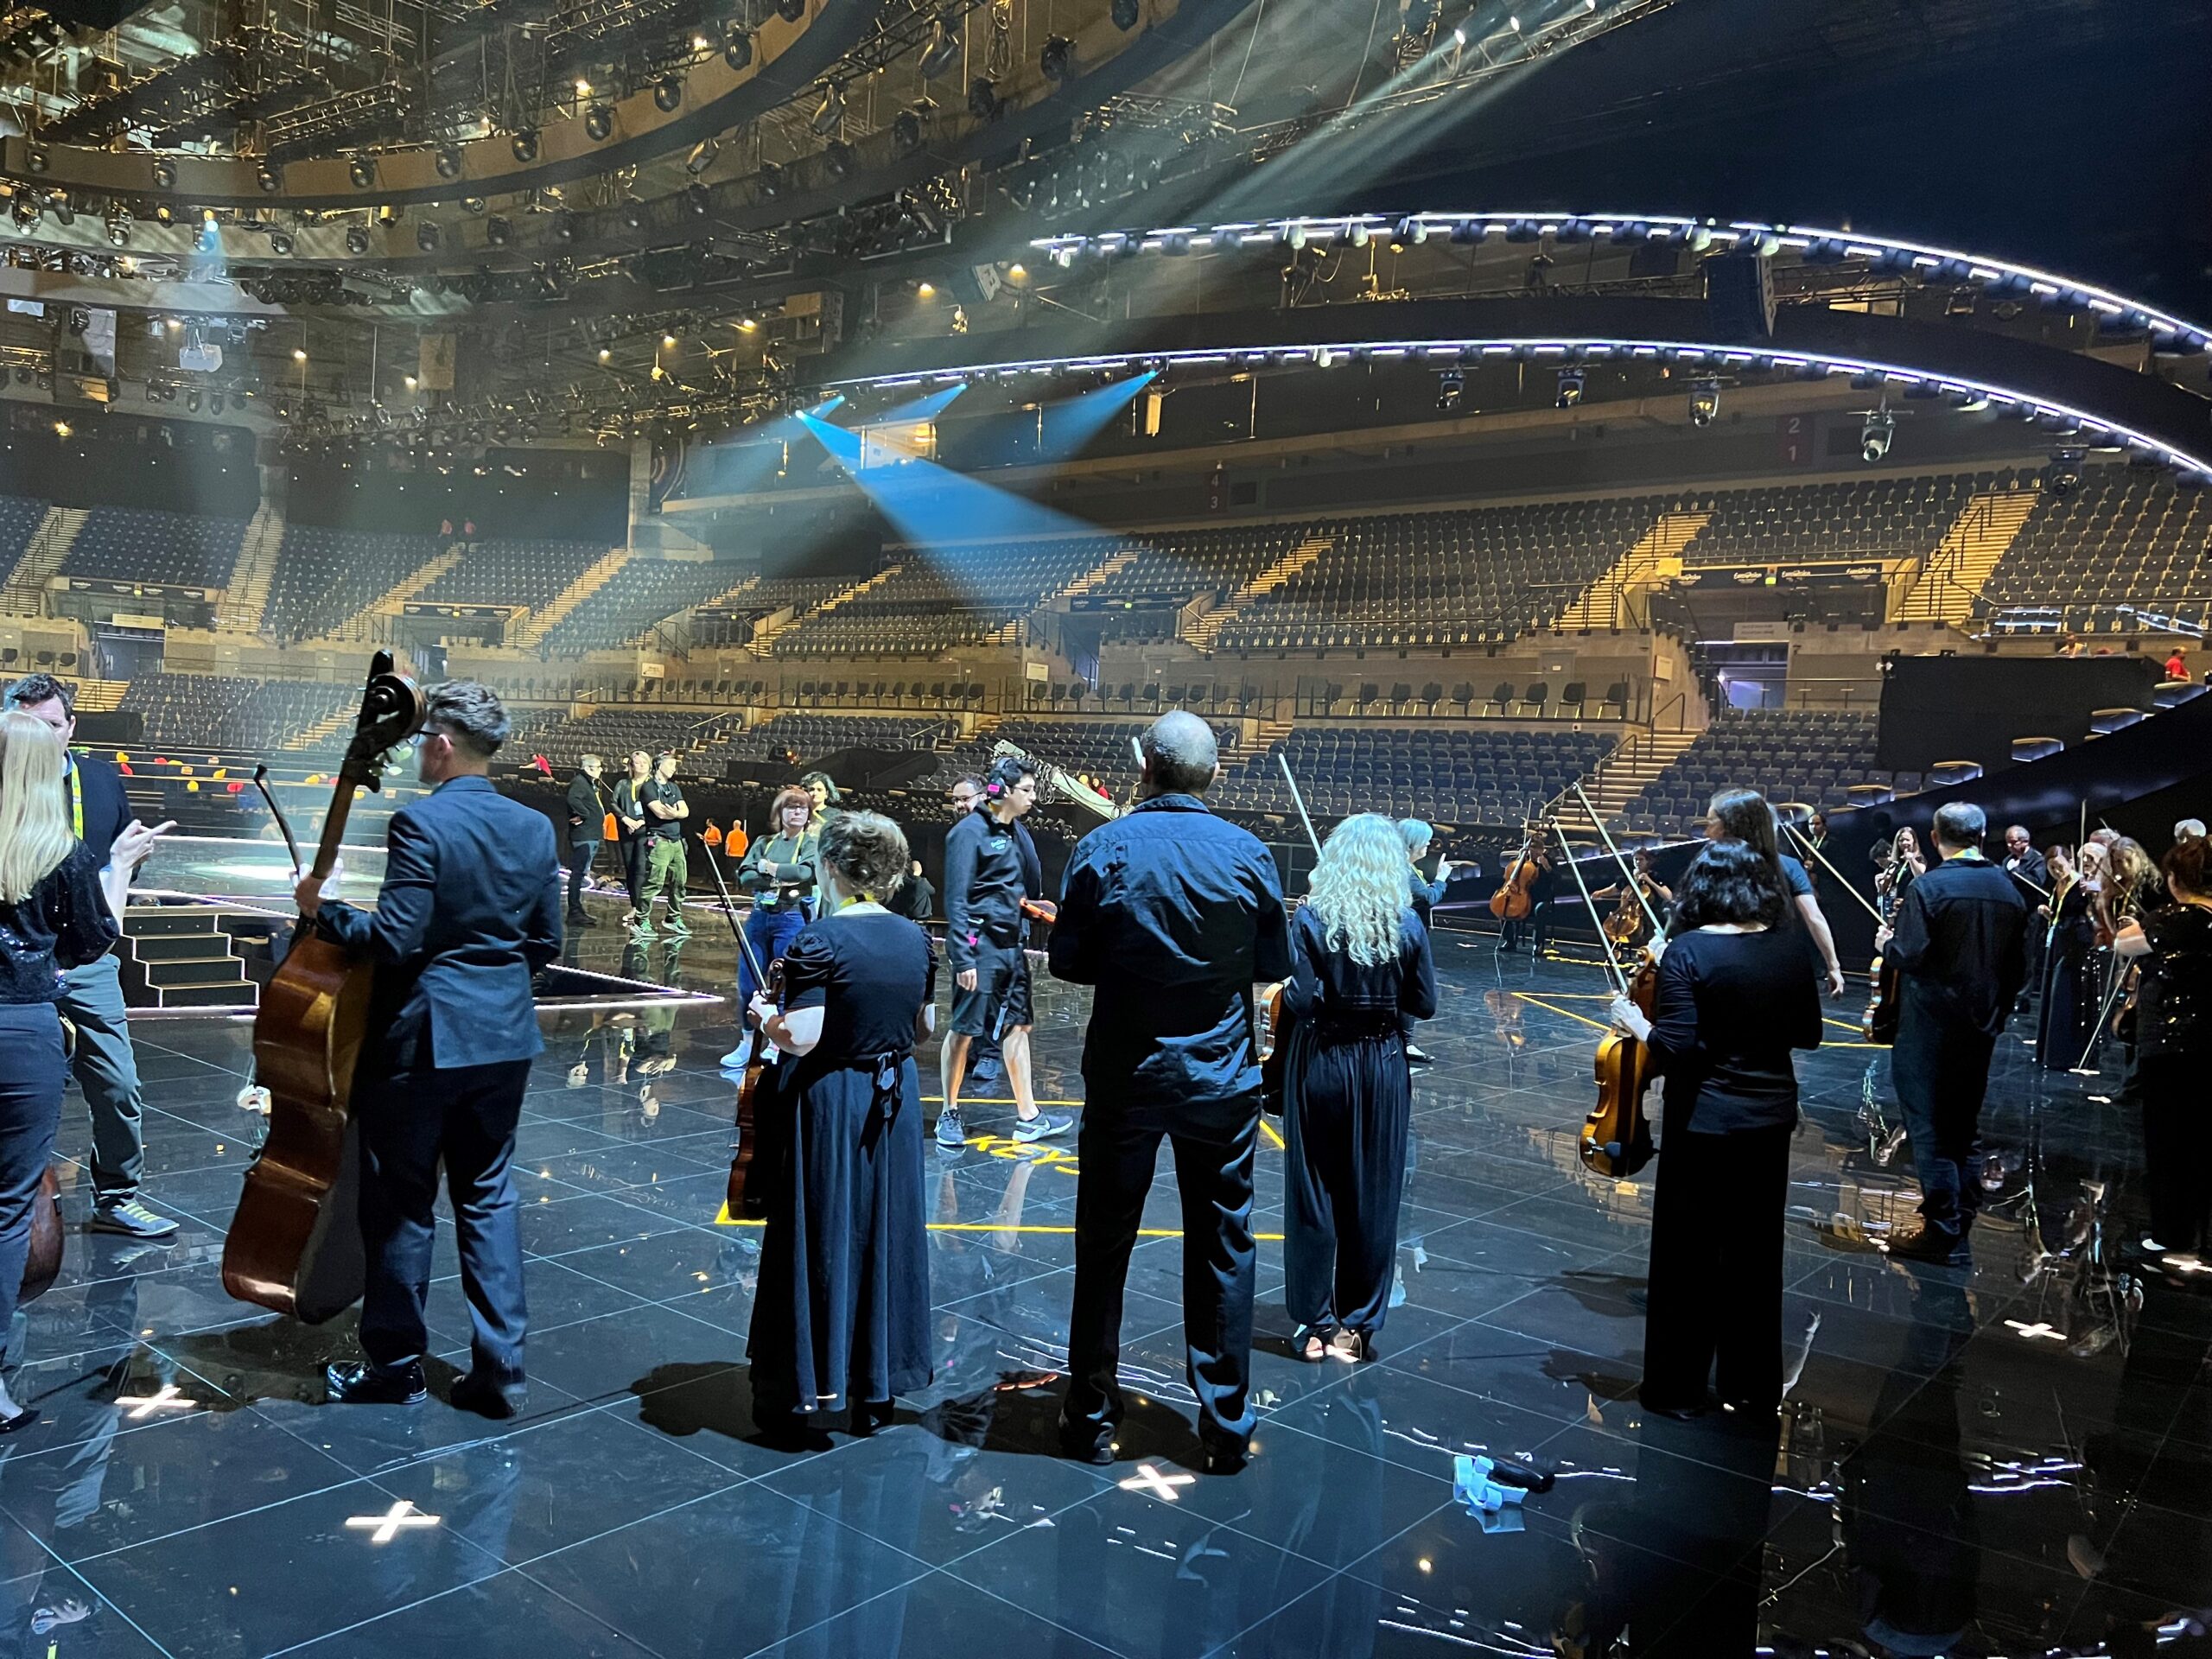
x=1416, y=834
x=1961, y=824
x=471, y=713
x=1181, y=753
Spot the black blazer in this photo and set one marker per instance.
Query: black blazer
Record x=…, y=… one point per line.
x=586, y=812
x=469, y=911
x=107, y=809
x=1961, y=944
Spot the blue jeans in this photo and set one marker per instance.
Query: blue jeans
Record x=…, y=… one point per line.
x=107, y=1070
x=32, y=1073
x=770, y=933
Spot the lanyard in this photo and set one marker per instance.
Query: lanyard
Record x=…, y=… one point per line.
x=77, y=798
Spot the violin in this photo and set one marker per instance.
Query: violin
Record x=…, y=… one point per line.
x=1617, y=1136
x=1272, y=1042
x=1884, y=1007
x=294, y=1243
x=1516, y=897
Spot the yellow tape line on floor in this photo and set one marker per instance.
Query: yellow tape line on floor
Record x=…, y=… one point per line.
x=723, y=1218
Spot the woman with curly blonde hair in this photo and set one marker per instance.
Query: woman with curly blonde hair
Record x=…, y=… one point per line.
x=1361, y=968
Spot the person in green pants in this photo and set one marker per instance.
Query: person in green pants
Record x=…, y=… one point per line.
x=667, y=870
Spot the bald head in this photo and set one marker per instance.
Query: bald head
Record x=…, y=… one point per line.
x=1180, y=755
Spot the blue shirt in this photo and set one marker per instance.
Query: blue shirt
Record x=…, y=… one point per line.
x=1172, y=914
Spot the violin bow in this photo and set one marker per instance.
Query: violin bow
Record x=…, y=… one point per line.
x=729, y=914
x=1612, y=967
x=1627, y=870
x=1304, y=816
x=1866, y=903
x=284, y=825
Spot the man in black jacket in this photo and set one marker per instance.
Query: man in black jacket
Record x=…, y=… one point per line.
x=587, y=827
x=91, y=997
x=1959, y=943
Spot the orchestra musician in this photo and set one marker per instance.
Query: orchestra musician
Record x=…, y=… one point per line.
x=1541, y=875
x=1958, y=944
x=1363, y=973
x=587, y=825
x=840, y=1320
x=1626, y=927
x=1172, y=915
x=990, y=867
x=822, y=796
x=470, y=909
x=2030, y=876
x=1416, y=835
x=1733, y=1000
x=1744, y=815
x=2068, y=1015
x=779, y=871
x=2172, y=947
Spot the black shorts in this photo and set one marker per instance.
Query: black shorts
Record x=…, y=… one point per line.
x=1001, y=999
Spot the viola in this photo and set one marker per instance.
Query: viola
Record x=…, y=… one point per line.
x=1885, y=1005
x=1617, y=1136
x=740, y=1196
x=1272, y=1044
x=294, y=1243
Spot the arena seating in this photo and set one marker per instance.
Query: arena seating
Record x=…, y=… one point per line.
x=204, y=714
x=628, y=604
x=1455, y=776
x=1098, y=748
x=939, y=600
x=2122, y=537
x=323, y=577
x=521, y=573
x=20, y=519
x=1869, y=518
x=808, y=736
x=1809, y=755
x=1434, y=578
x=139, y=544
x=611, y=733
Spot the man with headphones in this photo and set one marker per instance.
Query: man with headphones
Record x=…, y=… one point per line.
x=990, y=867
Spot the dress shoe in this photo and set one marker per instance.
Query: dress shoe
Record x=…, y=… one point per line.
x=372, y=1385
x=1226, y=1457
x=1419, y=1055
x=1085, y=1444
x=489, y=1394
x=1685, y=1410
x=580, y=919
x=1934, y=1245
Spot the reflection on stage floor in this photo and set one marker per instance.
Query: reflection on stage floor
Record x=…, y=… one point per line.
x=2009, y=1460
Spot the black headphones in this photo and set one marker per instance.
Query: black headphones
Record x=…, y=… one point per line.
x=1007, y=773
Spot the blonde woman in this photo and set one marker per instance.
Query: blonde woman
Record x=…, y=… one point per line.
x=57, y=910
x=1361, y=969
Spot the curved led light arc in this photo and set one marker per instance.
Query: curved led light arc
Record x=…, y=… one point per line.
x=2092, y=431
x=2171, y=332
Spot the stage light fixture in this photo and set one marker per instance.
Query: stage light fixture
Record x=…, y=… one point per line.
x=702, y=155
x=982, y=98
x=214, y=402
x=192, y=400
x=426, y=235
x=36, y=157
x=1124, y=14
x=1057, y=60
x=522, y=144
x=119, y=230
x=473, y=205
x=1875, y=436
x=1570, y=388
x=697, y=198
x=164, y=174
x=362, y=169
x=498, y=233
x=769, y=181
x=633, y=215
x=1413, y=232
x=1705, y=403
x=668, y=93
x=737, y=50
x=791, y=10
x=837, y=158
x=564, y=226
x=905, y=133
x=164, y=214
x=829, y=111
x=27, y=214
x=599, y=122
x=1451, y=386
x=942, y=51
x=357, y=239
x=448, y=161
x=80, y=320
x=280, y=242
x=65, y=211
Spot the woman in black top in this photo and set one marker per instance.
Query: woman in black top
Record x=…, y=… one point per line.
x=840, y=1319
x=1734, y=999
x=2070, y=991
x=2173, y=1040
x=57, y=910
x=1361, y=969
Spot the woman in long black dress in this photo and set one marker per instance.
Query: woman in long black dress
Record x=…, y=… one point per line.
x=840, y=1320
x=1361, y=968
x=1734, y=1000
x=2173, y=1041
x=2069, y=997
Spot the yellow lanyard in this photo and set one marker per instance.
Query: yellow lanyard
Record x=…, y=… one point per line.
x=77, y=798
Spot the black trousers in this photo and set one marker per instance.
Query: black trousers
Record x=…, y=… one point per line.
x=582, y=855
x=1213, y=1172
x=32, y=1074
x=2171, y=1092
x=409, y=1121
x=1941, y=1073
x=1715, y=1293
x=633, y=853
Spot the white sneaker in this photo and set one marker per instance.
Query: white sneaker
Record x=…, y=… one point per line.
x=739, y=1058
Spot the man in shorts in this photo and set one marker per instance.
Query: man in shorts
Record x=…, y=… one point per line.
x=986, y=879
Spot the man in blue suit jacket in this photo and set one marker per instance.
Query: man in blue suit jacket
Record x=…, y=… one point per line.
x=469, y=911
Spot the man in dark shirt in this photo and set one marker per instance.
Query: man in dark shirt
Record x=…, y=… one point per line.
x=586, y=824
x=989, y=869
x=1959, y=947
x=1170, y=914
x=106, y=1067
x=2031, y=875
x=630, y=826
x=667, y=869
x=470, y=909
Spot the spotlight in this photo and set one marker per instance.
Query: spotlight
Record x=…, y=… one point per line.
x=1874, y=438
x=192, y=400
x=1570, y=388
x=702, y=155
x=65, y=211
x=1124, y=14
x=280, y=242
x=473, y=204
x=668, y=93
x=448, y=162
x=1451, y=386
x=1705, y=403
x=80, y=320
x=769, y=181
x=214, y=402
x=426, y=235
x=1058, y=59
x=905, y=133
x=599, y=122
x=362, y=169
x=1412, y=231
x=982, y=98
x=830, y=111
x=27, y=213
x=357, y=239
x=164, y=214
x=498, y=233
x=791, y=10
x=942, y=51
x=564, y=226
x=633, y=215
x=737, y=51
x=696, y=197
x=164, y=174
x=837, y=158
x=119, y=230
x=523, y=144
x=36, y=158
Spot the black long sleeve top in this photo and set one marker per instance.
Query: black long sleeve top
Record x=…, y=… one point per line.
x=1960, y=943
x=1730, y=1008
x=64, y=924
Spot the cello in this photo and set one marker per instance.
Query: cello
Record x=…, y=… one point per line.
x=1885, y=1003
x=294, y=1243
x=1516, y=896
x=739, y=1197
x=1272, y=1040
x=1616, y=1140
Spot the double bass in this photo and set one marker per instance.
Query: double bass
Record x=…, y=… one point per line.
x=294, y=1243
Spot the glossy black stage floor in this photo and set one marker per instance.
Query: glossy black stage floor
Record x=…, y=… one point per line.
x=2013, y=1461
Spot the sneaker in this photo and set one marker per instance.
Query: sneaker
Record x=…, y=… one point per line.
x=131, y=1218
x=371, y=1385
x=739, y=1058
x=1419, y=1055
x=580, y=919
x=676, y=928
x=986, y=1069
x=1042, y=1126
x=949, y=1133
